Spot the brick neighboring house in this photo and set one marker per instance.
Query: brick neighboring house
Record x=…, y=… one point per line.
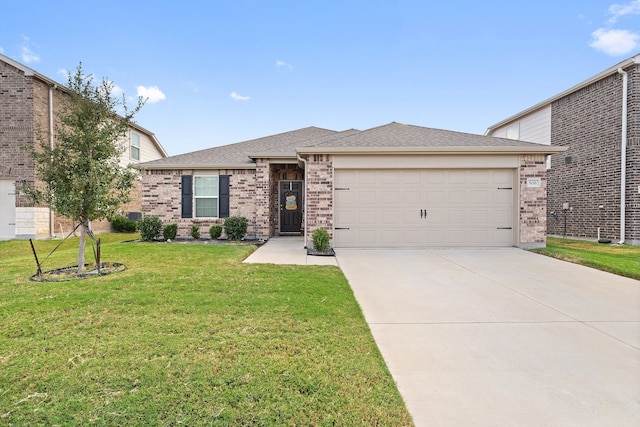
x=28, y=102
x=601, y=133
x=395, y=185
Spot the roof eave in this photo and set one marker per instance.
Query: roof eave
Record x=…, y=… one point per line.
x=275, y=156
x=542, y=149
x=198, y=166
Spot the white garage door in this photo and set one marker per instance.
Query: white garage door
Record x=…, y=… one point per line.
x=7, y=210
x=424, y=208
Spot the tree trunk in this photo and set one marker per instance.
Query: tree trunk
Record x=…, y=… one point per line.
x=83, y=240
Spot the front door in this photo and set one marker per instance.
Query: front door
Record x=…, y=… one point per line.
x=290, y=206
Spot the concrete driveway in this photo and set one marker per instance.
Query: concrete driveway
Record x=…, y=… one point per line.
x=502, y=337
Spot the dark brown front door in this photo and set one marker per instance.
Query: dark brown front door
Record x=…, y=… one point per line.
x=290, y=206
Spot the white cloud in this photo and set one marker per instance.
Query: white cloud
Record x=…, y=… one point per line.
x=26, y=53
x=282, y=64
x=152, y=93
x=237, y=97
x=28, y=56
x=619, y=10
x=62, y=72
x=614, y=42
x=1, y=49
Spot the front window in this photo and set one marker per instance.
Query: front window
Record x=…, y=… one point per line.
x=205, y=195
x=135, y=146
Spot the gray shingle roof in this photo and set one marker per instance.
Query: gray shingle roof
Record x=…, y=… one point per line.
x=399, y=135
x=237, y=155
x=386, y=138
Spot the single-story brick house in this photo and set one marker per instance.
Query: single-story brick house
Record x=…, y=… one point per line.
x=395, y=185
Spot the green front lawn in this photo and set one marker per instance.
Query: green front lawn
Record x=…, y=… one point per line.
x=622, y=260
x=186, y=335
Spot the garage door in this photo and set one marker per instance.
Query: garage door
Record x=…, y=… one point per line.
x=424, y=208
x=7, y=210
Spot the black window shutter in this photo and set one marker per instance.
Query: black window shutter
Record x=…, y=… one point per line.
x=187, y=196
x=223, y=196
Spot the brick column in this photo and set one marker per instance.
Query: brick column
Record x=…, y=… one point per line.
x=533, y=201
x=319, y=195
x=262, y=199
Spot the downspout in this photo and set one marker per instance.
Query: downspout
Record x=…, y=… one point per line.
x=51, y=88
x=304, y=219
x=623, y=156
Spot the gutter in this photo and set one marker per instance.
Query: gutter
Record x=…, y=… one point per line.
x=623, y=156
x=435, y=150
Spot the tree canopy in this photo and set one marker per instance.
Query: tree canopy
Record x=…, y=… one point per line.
x=80, y=175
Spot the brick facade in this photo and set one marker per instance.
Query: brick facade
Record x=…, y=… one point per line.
x=161, y=197
x=254, y=195
x=587, y=175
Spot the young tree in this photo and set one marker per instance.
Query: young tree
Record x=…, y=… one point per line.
x=81, y=175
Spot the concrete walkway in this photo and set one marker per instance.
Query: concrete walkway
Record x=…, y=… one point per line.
x=287, y=250
x=496, y=337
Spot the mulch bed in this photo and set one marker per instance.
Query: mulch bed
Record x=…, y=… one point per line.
x=328, y=252
x=66, y=274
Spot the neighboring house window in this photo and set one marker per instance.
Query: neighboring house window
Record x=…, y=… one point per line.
x=205, y=196
x=513, y=131
x=135, y=146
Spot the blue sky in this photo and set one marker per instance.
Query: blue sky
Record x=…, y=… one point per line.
x=218, y=72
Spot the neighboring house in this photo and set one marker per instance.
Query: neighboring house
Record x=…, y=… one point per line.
x=29, y=102
x=395, y=185
x=594, y=185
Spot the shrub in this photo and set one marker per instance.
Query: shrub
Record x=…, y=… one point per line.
x=236, y=227
x=195, y=231
x=149, y=227
x=123, y=225
x=320, y=238
x=170, y=231
x=215, y=231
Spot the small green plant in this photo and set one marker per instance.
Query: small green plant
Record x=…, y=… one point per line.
x=236, y=227
x=320, y=238
x=123, y=225
x=215, y=231
x=195, y=231
x=150, y=228
x=170, y=231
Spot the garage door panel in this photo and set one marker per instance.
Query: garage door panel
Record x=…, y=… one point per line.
x=479, y=177
x=481, y=196
x=368, y=197
x=502, y=178
x=390, y=178
x=7, y=210
x=435, y=197
x=396, y=208
x=456, y=196
x=366, y=217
